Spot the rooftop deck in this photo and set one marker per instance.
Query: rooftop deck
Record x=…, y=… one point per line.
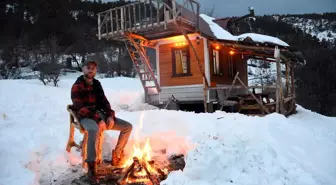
x=152, y=19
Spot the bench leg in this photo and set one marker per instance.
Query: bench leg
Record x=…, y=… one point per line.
x=71, y=143
x=99, y=146
x=84, y=147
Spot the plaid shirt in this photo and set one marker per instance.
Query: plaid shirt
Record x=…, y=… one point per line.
x=88, y=99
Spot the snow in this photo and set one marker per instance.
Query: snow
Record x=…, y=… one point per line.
x=263, y=38
x=221, y=33
x=218, y=31
x=235, y=149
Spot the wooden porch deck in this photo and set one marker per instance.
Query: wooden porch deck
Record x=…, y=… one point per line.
x=261, y=100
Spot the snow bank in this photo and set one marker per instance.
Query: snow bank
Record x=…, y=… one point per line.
x=236, y=149
x=221, y=33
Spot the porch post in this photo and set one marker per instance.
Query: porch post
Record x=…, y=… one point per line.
x=279, y=93
x=122, y=18
x=205, y=92
x=292, y=80
x=174, y=9
x=287, y=78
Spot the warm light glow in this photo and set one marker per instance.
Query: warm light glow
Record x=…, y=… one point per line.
x=217, y=47
x=144, y=156
x=180, y=44
x=232, y=52
x=178, y=38
x=143, y=152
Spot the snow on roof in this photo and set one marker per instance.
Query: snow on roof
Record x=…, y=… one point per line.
x=263, y=38
x=221, y=33
x=217, y=30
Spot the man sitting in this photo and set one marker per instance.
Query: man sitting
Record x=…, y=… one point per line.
x=94, y=113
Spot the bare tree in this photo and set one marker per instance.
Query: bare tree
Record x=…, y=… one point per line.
x=46, y=62
x=49, y=72
x=51, y=48
x=10, y=68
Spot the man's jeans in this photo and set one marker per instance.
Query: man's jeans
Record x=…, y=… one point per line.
x=91, y=126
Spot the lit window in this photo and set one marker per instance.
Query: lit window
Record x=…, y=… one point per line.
x=181, y=61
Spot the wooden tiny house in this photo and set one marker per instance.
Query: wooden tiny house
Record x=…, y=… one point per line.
x=197, y=59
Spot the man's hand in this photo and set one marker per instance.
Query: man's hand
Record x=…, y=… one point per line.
x=110, y=122
x=102, y=125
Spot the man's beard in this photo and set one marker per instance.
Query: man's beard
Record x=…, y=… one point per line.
x=87, y=76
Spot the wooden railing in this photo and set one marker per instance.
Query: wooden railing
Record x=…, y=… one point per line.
x=144, y=14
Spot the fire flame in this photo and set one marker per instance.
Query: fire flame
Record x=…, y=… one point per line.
x=145, y=164
x=147, y=168
x=144, y=155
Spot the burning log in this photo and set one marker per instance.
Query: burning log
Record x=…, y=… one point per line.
x=128, y=170
x=141, y=168
x=139, y=172
x=154, y=181
x=135, y=174
x=142, y=172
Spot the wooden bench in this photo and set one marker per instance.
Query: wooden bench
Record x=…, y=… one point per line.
x=74, y=123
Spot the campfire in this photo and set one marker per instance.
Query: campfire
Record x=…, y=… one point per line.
x=141, y=167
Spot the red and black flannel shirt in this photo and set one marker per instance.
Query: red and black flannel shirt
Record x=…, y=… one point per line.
x=88, y=99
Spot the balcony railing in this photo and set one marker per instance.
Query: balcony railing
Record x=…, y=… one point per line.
x=145, y=15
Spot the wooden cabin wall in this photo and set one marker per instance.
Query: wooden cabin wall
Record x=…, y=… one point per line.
x=239, y=63
x=166, y=65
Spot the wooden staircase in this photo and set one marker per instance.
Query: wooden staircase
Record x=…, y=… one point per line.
x=142, y=65
x=248, y=105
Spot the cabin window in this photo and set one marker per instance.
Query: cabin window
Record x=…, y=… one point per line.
x=217, y=67
x=181, y=61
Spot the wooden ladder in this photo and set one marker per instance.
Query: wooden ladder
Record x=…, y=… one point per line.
x=142, y=65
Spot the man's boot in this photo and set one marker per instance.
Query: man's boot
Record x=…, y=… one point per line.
x=93, y=179
x=117, y=161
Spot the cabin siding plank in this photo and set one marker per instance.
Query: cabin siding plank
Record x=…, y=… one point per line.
x=183, y=93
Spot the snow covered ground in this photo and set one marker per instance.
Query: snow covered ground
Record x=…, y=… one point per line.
x=235, y=150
